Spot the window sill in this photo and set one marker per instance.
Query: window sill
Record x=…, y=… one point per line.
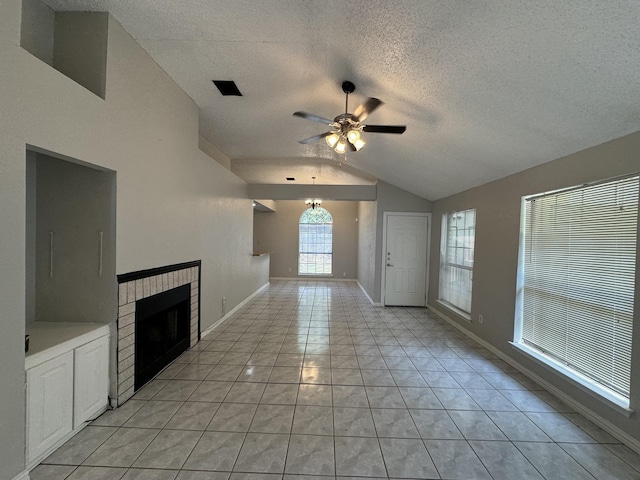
x=611, y=399
x=462, y=314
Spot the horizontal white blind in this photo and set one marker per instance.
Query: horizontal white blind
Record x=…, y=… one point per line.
x=456, y=259
x=579, y=269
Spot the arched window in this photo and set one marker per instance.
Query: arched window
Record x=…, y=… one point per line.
x=316, y=242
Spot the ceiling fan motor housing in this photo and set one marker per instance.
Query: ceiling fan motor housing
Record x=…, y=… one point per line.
x=348, y=87
x=346, y=122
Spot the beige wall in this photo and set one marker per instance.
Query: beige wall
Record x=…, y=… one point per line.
x=391, y=199
x=174, y=204
x=277, y=232
x=302, y=192
x=36, y=32
x=80, y=48
x=367, y=215
x=497, y=207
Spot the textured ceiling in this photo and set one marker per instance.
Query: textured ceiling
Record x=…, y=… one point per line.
x=486, y=88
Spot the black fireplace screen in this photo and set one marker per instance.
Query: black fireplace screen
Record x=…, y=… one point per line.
x=162, y=331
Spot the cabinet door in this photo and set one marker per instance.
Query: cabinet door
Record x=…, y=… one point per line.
x=91, y=380
x=49, y=404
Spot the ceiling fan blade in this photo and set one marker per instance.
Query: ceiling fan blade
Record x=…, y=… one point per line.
x=365, y=109
x=384, y=128
x=315, y=138
x=315, y=118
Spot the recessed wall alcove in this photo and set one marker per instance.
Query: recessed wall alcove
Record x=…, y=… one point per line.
x=70, y=240
x=74, y=43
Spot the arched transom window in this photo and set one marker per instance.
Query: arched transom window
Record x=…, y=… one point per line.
x=316, y=242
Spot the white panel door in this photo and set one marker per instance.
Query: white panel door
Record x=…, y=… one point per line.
x=406, y=260
x=91, y=380
x=49, y=404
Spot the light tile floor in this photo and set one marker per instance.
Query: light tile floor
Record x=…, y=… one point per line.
x=309, y=381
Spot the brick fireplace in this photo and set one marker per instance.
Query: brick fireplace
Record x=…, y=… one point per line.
x=136, y=286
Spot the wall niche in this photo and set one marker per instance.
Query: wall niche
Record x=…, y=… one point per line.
x=70, y=241
x=74, y=43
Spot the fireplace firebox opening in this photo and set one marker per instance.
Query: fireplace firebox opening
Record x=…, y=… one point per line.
x=162, y=331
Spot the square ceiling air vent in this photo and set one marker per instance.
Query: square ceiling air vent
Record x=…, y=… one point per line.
x=227, y=88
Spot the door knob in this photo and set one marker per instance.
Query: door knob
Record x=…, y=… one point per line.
x=389, y=265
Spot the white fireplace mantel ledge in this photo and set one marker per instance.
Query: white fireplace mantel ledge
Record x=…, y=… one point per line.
x=48, y=340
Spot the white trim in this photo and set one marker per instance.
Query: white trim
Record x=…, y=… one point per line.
x=426, y=278
x=375, y=304
x=22, y=476
x=624, y=437
x=613, y=400
x=319, y=279
x=36, y=461
x=232, y=311
x=298, y=245
x=444, y=245
x=466, y=316
x=383, y=260
x=63, y=333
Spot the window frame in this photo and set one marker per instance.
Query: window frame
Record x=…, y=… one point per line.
x=316, y=211
x=615, y=399
x=467, y=264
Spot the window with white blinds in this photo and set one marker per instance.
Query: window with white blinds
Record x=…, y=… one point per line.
x=578, y=255
x=456, y=258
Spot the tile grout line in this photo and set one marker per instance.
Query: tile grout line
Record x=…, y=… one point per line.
x=277, y=315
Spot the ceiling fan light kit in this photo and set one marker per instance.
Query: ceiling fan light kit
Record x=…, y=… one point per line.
x=347, y=128
x=332, y=139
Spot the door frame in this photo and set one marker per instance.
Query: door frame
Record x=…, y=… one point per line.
x=383, y=258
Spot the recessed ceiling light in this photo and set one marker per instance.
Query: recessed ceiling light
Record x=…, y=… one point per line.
x=291, y=179
x=227, y=88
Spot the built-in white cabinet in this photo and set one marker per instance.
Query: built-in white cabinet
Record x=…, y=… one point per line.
x=67, y=375
x=91, y=380
x=49, y=404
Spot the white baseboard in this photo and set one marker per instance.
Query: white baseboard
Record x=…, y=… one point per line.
x=36, y=461
x=232, y=311
x=317, y=279
x=375, y=304
x=22, y=476
x=624, y=437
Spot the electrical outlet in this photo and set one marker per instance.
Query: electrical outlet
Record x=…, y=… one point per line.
x=344, y=274
x=224, y=306
x=480, y=319
x=289, y=269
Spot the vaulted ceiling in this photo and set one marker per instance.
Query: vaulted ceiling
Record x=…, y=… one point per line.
x=485, y=88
